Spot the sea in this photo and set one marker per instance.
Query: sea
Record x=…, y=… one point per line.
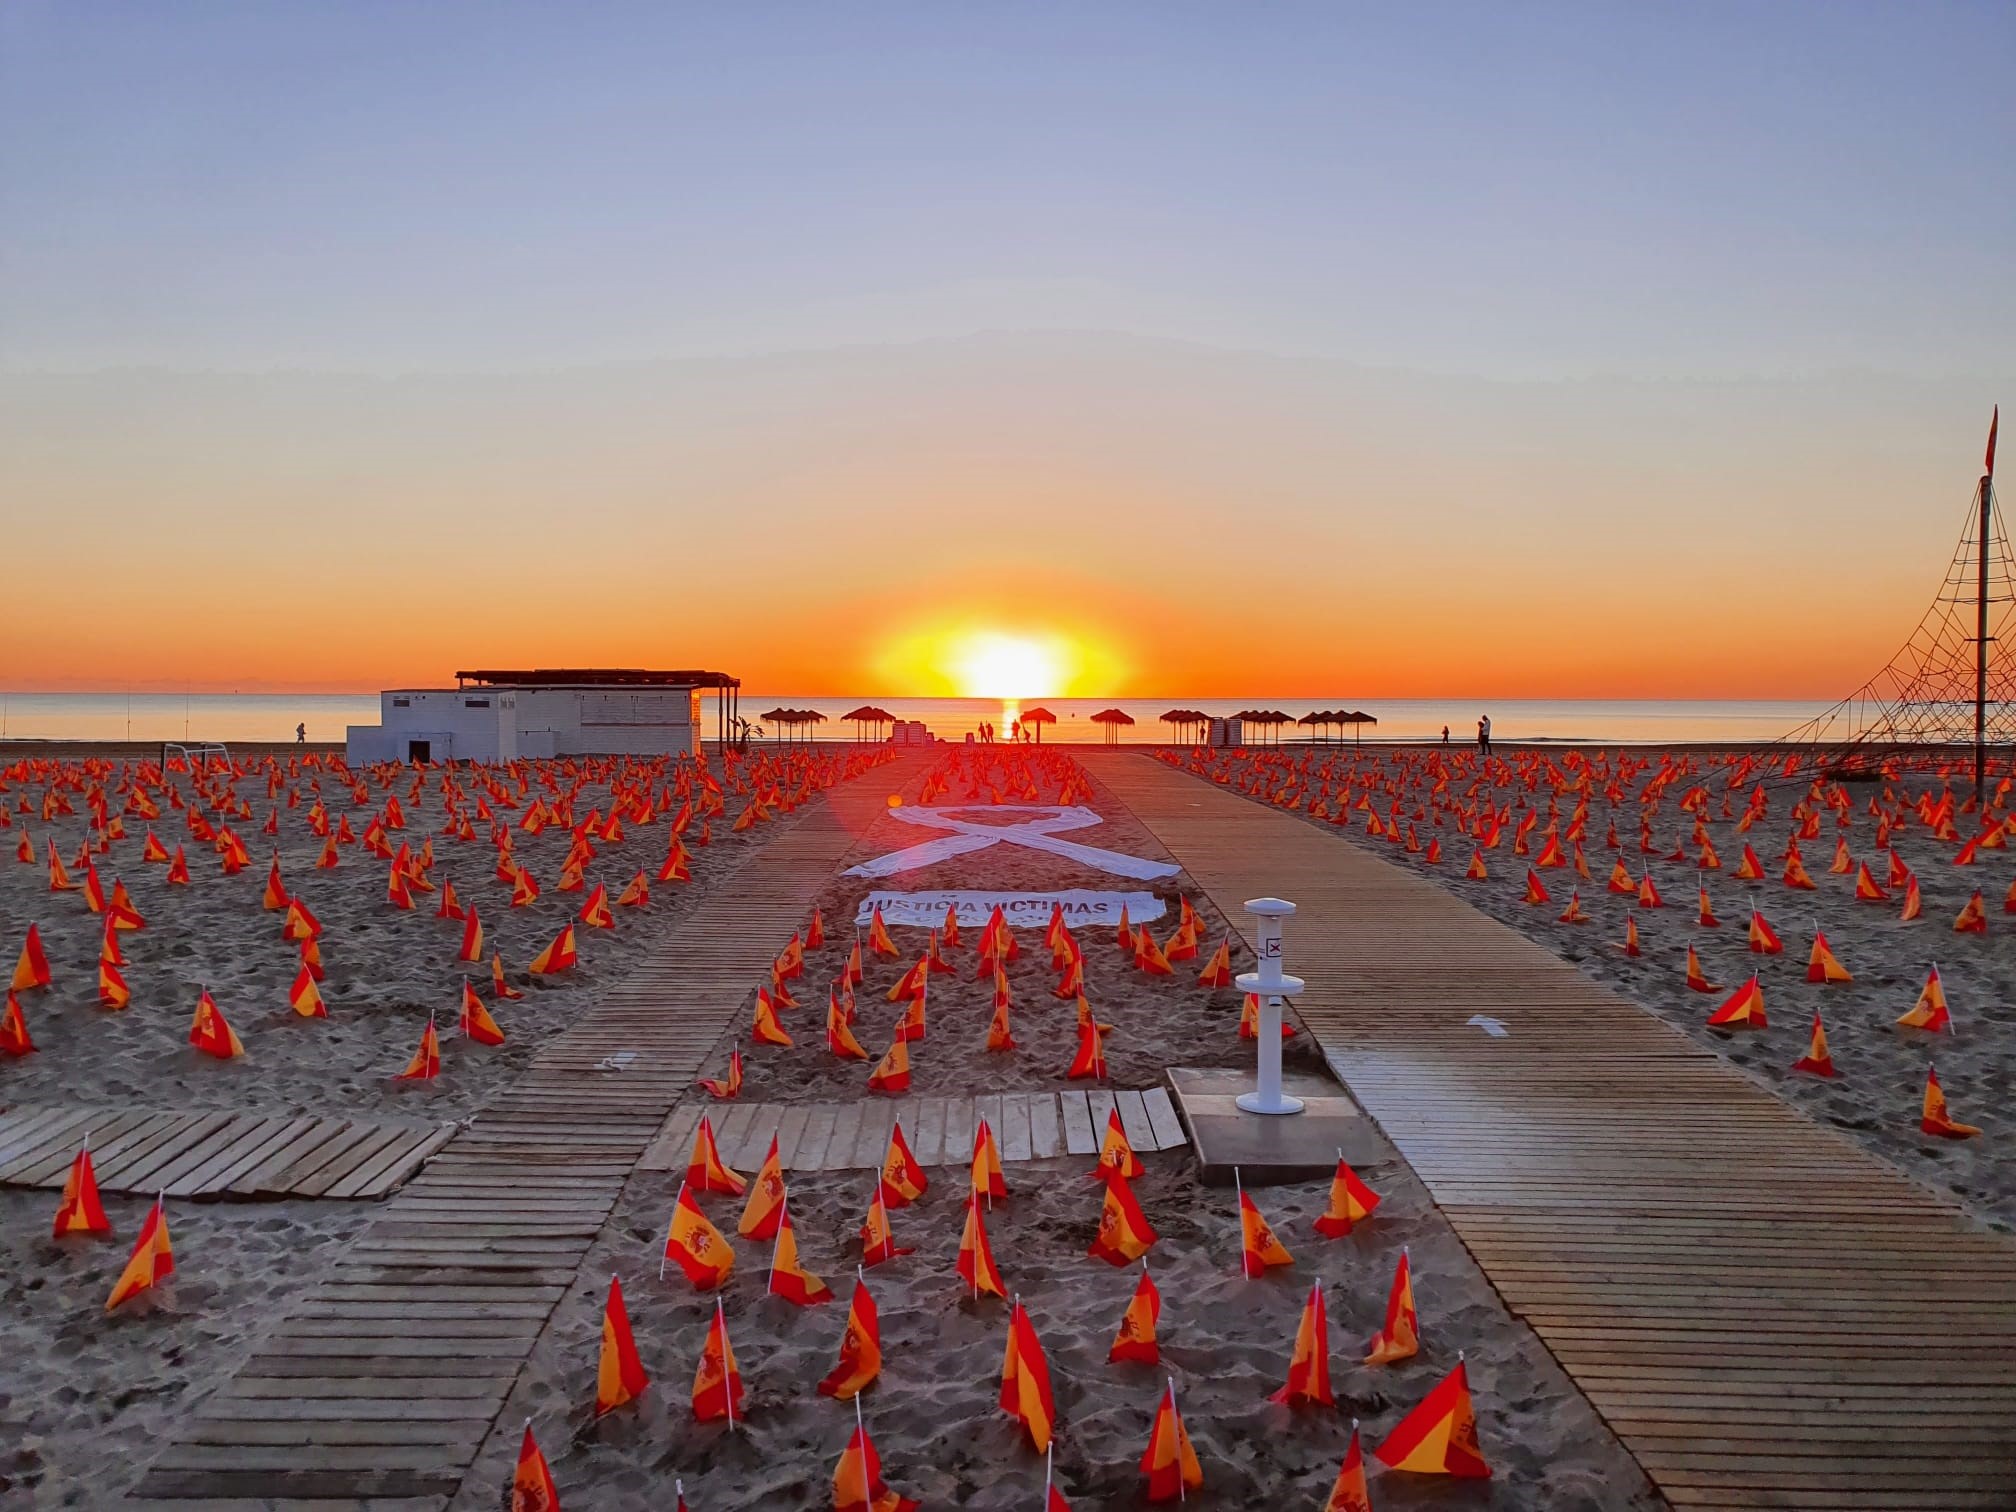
x=227, y=717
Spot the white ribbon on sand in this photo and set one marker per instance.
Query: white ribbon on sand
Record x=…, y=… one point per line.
x=1037, y=833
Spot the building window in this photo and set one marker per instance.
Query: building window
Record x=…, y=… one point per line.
x=402, y=703
x=475, y=703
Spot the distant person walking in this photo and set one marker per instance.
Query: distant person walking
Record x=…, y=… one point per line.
x=1484, y=735
x=1445, y=734
x=301, y=734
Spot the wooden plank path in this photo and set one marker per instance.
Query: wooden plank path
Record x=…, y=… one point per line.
x=939, y=1130
x=215, y=1154
x=1767, y=1315
x=380, y=1387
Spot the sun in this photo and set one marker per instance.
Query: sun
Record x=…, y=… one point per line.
x=994, y=664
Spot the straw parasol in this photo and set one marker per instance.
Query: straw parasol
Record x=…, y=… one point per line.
x=1315, y=717
x=1113, y=719
x=869, y=714
x=1038, y=717
x=1356, y=718
x=1185, y=718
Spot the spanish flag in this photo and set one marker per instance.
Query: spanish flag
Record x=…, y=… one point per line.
x=1217, y=970
x=1697, y=981
x=839, y=1037
x=765, y=1029
x=1135, y=1339
x=31, y=968
x=1821, y=965
x=1090, y=1058
x=499, y=988
x=892, y=1072
x=1816, y=1061
x=1867, y=890
x=14, y=1038
x=620, y=1376
x=723, y=1090
x=696, y=1245
x=705, y=1171
x=1536, y=890
x=988, y=1180
x=451, y=906
x=1439, y=1437
x=1400, y=1337
x=1309, y=1366
x=878, y=1240
x=426, y=1062
x=1763, y=938
x=472, y=937
x=1933, y=1118
x=275, y=898
x=878, y=935
x=857, y=1479
x=113, y=993
x=717, y=1384
x=1349, y=1493
x=1125, y=1234
x=1914, y=905
x=1930, y=1011
x=764, y=1210
x=1351, y=1203
x=637, y=894
x=789, y=1279
x=1621, y=880
x=1025, y=1380
x=209, y=1033
x=976, y=1258
x=152, y=1260
x=815, y=932
x=903, y=1179
x=860, y=1348
x=1169, y=1462
x=1973, y=918
x=595, y=909
x=476, y=1023
x=559, y=956
x=1631, y=947
x=1258, y=1248
x=1115, y=1153
x=80, y=1211
x=1573, y=913
x=1750, y=868
x=304, y=997
x=1744, y=1008
x=1475, y=871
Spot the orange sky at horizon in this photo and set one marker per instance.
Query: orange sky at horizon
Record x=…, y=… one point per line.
x=1173, y=522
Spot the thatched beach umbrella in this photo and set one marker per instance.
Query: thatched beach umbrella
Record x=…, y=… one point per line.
x=1112, y=719
x=1317, y=717
x=868, y=714
x=1183, y=719
x=1355, y=719
x=1038, y=717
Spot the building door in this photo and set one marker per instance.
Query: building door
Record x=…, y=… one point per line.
x=421, y=751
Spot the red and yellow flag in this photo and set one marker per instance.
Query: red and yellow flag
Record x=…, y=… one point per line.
x=472, y=937
x=152, y=1260
x=14, y=1037
x=1135, y=1339
x=717, y=1384
x=1697, y=980
x=1934, y=1119
x=31, y=968
x=878, y=936
x=1973, y=918
x=1115, y=1153
x=1763, y=938
x=113, y=993
x=595, y=909
x=1743, y=1009
x=1439, y=1437
x=209, y=1032
x=892, y=1072
x=1349, y=1493
x=1816, y=1061
x=1125, y=1234
x=1217, y=970
x=705, y=1171
x=1258, y=1248
x=976, y=1257
x=1309, y=1366
x=878, y=1240
x=304, y=997
x=1867, y=889
x=766, y=1030
x=532, y=1488
x=1821, y=965
x=860, y=1348
x=426, y=1062
x=723, y=1090
x=1169, y=1462
x=695, y=1245
x=988, y=1180
x=788, y=1278
x=764, y=1210
x=903, y=1179
x=499, y=987
x=475, y=1022
x=80, y=1211
x=557, y=957
x=1930, y=1011
x=857, y=1479
x=637, y=894
x=1400, y=1337
x=1351, y=1203
x=1025, y=1380
x=839, y=1036
x=619, y=1377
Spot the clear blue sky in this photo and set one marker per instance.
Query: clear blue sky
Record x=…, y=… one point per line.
x=1507, y=190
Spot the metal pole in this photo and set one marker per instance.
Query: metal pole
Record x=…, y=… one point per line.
x=1981, y=647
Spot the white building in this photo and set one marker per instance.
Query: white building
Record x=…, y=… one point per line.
x=506, y=716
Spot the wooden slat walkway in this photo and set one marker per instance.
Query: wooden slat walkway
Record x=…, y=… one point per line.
x=215, y=1154
x=382, y=1384
x=939, y=1130
x=1767, y=1315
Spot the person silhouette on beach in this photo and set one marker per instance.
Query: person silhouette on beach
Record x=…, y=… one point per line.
x=1484, y=735
x=301, y=734
x=1445, y=734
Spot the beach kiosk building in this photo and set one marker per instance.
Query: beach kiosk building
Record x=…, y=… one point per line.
x=568, y=711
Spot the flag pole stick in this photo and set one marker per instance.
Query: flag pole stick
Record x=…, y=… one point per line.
x=783, y=1217
x=727, y=1377
x=861, y=1431
x=1181, y=1494
x=1245, y=1267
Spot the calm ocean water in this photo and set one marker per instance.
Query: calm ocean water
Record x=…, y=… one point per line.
x=272, y=716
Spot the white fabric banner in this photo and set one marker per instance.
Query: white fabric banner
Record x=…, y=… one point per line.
x=981, y=833
x=1022, y=910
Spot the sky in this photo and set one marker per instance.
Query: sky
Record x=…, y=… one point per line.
x=1538, y=351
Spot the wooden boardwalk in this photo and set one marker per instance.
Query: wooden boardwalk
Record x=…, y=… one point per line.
x=939, y=1130
x=215, y=1154
x=383, y=1382
x=1767, y=1315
